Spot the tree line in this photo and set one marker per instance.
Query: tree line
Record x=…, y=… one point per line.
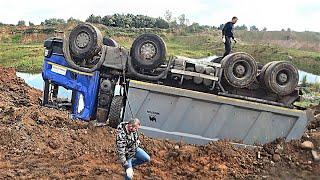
x=142, y=21
x=129, y=21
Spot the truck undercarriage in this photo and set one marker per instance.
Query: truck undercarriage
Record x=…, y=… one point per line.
x=92, y=67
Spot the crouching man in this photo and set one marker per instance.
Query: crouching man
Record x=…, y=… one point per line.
x=128, y=142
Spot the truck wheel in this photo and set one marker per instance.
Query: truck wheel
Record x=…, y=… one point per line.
x=239, y=69
x=148, y=51
x=85, y=41
x=281, y=77
x=110, y=42
x=116, y=111
x=263, y=72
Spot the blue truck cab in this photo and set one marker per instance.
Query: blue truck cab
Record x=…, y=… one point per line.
x=57, y=72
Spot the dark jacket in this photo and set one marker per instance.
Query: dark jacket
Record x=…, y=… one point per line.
x=127, y=143
x=228, y=30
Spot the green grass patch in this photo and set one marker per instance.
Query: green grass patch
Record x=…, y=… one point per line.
x=29, y=57
x=23, y=57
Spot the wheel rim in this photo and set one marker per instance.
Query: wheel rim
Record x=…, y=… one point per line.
x=82, y=40
x=240, y=69
x=282, y=77
x=148, y=50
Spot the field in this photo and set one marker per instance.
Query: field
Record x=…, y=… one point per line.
x=23, y=57
x=25, y=51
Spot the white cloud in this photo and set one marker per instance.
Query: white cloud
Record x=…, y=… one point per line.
x=273, y=14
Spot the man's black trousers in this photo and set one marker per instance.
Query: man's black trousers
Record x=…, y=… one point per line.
x=227, y=46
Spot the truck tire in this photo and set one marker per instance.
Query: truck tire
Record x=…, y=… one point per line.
x=110, y=42
x=239, y=69
x=263, y=72
x=148, y=51
x=85, y=41
x=281, y=77
x=116, y=111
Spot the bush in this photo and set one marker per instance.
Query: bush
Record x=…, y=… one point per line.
x=53, y=22
x=129, y=21
x=21, y=23
x=16, y=38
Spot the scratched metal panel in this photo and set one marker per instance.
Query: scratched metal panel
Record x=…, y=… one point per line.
x=198, y=118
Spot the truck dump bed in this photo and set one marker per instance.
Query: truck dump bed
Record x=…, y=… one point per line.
x=197, y=118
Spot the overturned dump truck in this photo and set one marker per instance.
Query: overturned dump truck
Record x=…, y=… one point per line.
x=193, y=100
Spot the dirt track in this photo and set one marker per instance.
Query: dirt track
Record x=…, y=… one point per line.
x=39, y=142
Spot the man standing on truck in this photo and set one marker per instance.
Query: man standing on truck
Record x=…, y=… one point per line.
x=130, y=154
x=227, y=34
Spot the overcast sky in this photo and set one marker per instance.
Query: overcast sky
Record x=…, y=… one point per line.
x=299, y=15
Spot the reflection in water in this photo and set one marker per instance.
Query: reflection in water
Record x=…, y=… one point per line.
x=36, y=81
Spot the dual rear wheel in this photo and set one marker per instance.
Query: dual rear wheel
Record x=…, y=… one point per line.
x=240, y=70
x=280, y=77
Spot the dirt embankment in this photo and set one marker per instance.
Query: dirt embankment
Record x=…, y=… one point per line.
x=39, y=142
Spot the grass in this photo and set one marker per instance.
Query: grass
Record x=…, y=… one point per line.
x=22, y=57
x=310, y=97
x=29, y=57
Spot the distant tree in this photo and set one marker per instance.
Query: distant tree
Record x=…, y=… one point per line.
x=264, y=29
x=289, y=30
x=31, y=24
x=53, y=22
x=195, y=27
x=21, y=23
x=221, y=26
x=73, y=20
x=168, y=16
x=130, y=20
x=182, y=20
x=161, y=23
x=61, y=21
x=107, y=20
x=283, y=30
x=94, y=19
x=242, y=27
x=253, y=28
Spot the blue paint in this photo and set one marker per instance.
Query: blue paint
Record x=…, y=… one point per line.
x=84, y=86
